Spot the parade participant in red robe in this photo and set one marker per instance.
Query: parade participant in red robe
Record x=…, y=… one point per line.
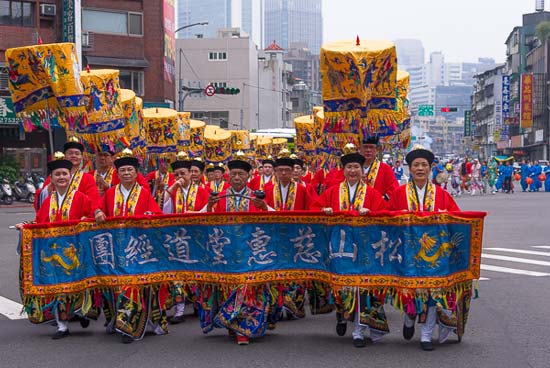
x=158, y=181
x=217, y=184
x=421, y=195
x=297, y=174
x=318, y=181
x=83, y=182
x=64, y=203
x=197, y=172
x=258, y=182
x=354, y=195
x=377, y=174
x=130, y=309
x=238, y=198
x=283, y=193
x=105, y=174
x=182, y=197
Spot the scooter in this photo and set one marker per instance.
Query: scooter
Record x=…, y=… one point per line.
x=38, y=180
x=24, y=190
x=6, y=194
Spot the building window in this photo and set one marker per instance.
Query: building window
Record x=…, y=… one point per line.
x=122, y=23
x=4, y=78
x=132, y=80
x=217, y=56
x=16, y=13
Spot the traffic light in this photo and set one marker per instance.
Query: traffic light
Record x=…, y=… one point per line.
x=449, y=109
x=227, y=91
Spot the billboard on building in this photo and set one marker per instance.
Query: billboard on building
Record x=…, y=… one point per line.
x=505, y=96
x=169, y=41
x=526, y=100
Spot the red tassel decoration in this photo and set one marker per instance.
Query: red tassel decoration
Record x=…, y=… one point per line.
x=87, y=68
x=357, y=41
x=39, y=41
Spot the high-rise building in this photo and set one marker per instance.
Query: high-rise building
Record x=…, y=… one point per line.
x=247, y=17
x=410, y=52
x=293, y=21
x=216, y=12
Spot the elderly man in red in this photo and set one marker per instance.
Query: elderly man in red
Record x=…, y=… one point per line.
x=258, y=182
x=132, y=308
x=421, y=195
x=354, y=195
x=378, y=175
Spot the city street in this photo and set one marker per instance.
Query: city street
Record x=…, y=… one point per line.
x=508, y=325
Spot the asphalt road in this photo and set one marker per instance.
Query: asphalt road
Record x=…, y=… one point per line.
x=508, y=327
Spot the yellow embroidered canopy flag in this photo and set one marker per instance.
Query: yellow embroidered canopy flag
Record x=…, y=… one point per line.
x=240, y=140
x=196, y=135
x=184, y=130
x=217, y=144
x=105, y=121
x=161, y=130
x=132, y=108
x=263, y=146
x=356, y=78
x=305, y=133
x=45, y=77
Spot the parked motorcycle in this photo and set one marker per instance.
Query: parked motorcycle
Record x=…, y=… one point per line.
x=24, y=190
x=38, y=180
x=6, y=194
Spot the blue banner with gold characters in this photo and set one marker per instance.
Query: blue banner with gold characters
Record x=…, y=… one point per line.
x=386, y=250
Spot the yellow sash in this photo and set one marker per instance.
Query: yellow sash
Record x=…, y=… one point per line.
x=234, y=204
x=65, y=206
x=372, y=173
x=216, y=186
x=188, y=203
x=128, y=210
x=279, y=203
x=108, y=178
x=358, y=200
x=159, y=189
x=262, y=183
x=429, y=197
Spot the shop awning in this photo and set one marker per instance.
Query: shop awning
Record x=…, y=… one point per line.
x=116, y=62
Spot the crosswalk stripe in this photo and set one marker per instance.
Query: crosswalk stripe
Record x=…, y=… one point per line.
x=515, y=259
x=521, y=251
x=11, y=309
x=513, y=271
x=541, y=246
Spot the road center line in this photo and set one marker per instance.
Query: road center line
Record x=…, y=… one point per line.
x=521, y=251
x=513, y=271
x=541, y=246
x=515, y=259
x=11, y=309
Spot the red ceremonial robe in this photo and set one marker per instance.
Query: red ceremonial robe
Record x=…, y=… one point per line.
x=221, y=205
x=385, y=182
x=87, y=186
x=80, y=207
x=201, y=200
x=334, y=176
x=307, y=177
x=223, y=185
x=145, y=203
x=331, y=198
x=255, y=183
x=150, y=180
x=301, y=200
x=443, y=200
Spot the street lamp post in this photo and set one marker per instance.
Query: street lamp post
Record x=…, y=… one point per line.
x=180, y=81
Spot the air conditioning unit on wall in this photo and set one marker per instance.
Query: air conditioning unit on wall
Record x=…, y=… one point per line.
x=47, y=10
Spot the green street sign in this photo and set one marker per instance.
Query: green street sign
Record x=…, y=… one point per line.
x=7, y=112
x=425, y=110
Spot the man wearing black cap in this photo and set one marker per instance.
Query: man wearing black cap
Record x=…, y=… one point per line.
x=258, y=182
x=283, y=193
x=378, y=175
x=197, y=170
x=217, y=184
x=132, y=308
x=237, y=198
x=83, y=182
x=421, y=195
x=159, y=180
x=104, y=173
x=64, y=203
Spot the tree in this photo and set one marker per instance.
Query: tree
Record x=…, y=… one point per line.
x=542, y=30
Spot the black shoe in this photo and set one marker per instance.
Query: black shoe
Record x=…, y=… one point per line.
x=426, y=345
x=341, y=328
x=60, y=334
x=174, y=320
x=359, y=343
x=127, y=339
x=84, y=322
x=408, y=332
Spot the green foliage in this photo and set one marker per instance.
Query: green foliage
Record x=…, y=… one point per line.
x=9, y=168
x=542, y=30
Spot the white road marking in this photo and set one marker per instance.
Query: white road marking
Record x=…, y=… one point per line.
x=484, y=278
x=513, y=271
x=541, y=246
x=521, y=251
x=515, y=259
x=11, y=309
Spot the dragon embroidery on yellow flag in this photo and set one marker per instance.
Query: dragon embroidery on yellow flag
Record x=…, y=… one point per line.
x=56, y=259
x=427, y=245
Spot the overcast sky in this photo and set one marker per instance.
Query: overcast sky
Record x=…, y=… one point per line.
x=462, y=29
